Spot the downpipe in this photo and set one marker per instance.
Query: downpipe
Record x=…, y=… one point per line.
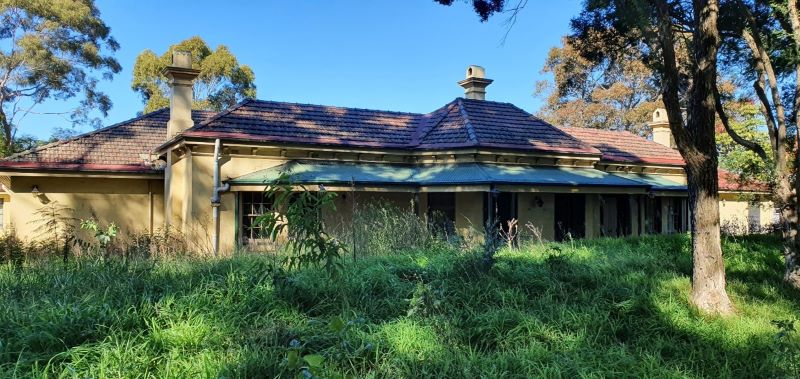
x=216, y=196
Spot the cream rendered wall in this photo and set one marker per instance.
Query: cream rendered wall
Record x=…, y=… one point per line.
x=543, y=217
x=738, y=214
x=199, y=222
x=5, y=198
x=469, y=213
x=125, y=202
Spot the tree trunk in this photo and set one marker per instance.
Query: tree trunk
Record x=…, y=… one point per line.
x=696, y=142
x=8, y=135
x=708, y=267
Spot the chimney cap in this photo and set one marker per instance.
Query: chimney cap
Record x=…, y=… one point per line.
x=474, y=71
x=475, y=84
x=181, y=67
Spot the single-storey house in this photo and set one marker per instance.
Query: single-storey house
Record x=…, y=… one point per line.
x=471, y=160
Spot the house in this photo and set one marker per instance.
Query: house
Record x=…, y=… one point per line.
x=472, y=160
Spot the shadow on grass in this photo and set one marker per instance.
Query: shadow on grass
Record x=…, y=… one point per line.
x=611, y=307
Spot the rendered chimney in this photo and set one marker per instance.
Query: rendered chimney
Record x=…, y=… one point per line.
x=181, y=76
x=475, y=84
x=661, y=131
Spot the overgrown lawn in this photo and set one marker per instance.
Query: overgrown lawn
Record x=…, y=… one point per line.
x=605, y=308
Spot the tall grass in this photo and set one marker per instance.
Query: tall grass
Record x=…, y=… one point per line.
x=604, y=308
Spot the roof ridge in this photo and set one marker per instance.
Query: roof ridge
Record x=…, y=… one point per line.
x=336, y=106
x=79, y=136
x=420, y=134
x=467, y=123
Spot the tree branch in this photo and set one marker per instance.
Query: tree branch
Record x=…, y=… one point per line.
x=750, y=145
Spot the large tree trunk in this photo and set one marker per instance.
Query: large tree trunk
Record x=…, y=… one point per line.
x=697, y=143
x=708, y=267
x=792, y=248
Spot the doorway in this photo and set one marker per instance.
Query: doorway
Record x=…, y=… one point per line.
x=570, y=216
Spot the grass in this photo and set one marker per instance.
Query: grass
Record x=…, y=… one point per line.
x=605, y=308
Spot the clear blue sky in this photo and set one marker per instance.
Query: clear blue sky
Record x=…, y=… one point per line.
x=403, y=55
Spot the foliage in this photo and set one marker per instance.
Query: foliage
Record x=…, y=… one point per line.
x=297, y=212
x=103, y=237
x=746, y=120
x=619, y=93
x=222, y=81
x=484, y=8
x=49, y=50
x=54, y=225
x=603, y=308
x=381, y=228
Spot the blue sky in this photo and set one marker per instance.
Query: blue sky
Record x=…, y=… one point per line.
x=403, y=55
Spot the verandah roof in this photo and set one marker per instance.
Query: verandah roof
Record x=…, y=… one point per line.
x=656, y=183
x=310, y=172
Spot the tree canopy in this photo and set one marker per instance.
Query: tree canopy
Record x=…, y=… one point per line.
x=222, y=81
x=52, y=50
x=620, y=94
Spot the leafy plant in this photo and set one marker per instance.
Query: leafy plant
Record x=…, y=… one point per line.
x=104, y=237
x=787, y=353
x=297, y=212
x=54, y=225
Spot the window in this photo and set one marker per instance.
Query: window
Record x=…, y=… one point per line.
x=677, y=212
x=253, y=204
x=442, y=212
x=2, y=225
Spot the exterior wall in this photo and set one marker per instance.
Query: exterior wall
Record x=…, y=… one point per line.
x=5, y=198
x=126, y=202
x=469, y=213
x=542, y=217
x=739, y=215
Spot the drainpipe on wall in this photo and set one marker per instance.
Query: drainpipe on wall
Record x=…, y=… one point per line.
x=216, y=198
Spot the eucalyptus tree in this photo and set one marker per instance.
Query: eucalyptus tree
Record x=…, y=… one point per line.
x=52, y=50
x=222, y=81
x=761, y=39
x=664, y=29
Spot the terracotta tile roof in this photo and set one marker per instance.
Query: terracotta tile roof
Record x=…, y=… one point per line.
x=461, y=123
x=626, y=147
x=121, y=147
x=269, y=121
x=479, y=123
x=731, y=182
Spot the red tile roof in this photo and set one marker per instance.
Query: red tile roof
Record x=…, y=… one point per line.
x=459, y=124
x=626, y=147
x=731, y=182
x=122, y=147
x=269, y=121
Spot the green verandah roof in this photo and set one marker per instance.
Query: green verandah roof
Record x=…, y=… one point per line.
x=307, y=172
x=656, y=183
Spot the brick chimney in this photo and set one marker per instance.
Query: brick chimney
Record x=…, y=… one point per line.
x=475, y=84
x=181, y=76
x=661, y=131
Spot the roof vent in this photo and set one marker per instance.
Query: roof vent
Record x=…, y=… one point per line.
x=475, y=84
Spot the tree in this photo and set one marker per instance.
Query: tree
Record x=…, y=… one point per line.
x=222, y=81
x=664, y=28
x=762, y=39
x=50, y=50
x=618, y=94
x=746, y=121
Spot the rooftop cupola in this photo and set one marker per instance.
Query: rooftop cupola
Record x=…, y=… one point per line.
x=661, y=131
x=475, y=84
x=181, y=77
